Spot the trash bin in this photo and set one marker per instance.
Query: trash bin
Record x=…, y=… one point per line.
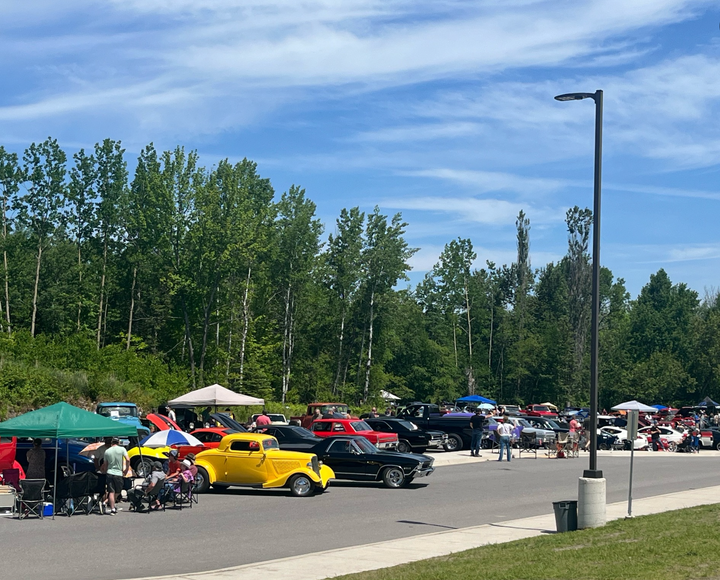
x=565, y=515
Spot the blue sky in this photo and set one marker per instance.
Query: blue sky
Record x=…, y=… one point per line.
x=441, y=110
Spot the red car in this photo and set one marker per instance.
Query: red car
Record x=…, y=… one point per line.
x=161, y=422
x=540, y=411
x=210, y=436
x=331, y=427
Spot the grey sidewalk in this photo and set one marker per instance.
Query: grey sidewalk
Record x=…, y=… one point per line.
x=317, y=566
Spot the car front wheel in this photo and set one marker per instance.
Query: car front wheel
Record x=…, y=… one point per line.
x=393, y=477
x=202, y=480
x=301, y=485
x=454, y=443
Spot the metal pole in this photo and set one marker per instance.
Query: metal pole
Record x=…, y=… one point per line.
x=57, y=446
x=594, y=472
x=632, y=459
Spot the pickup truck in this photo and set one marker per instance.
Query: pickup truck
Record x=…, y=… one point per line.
x=429, y=417
x=306, y=420
x=125, y=413
x=540, y=411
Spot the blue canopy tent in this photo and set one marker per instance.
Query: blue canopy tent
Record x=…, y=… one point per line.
x=660, y=407
x=708, y=402
x=476, y=399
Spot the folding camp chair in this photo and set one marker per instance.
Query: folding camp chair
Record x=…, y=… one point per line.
x=528, y=443
x=31, y=497
x=75, y=493
x=182, y=493
x=12, y=477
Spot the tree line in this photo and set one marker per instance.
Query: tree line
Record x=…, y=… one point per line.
x=210, y=274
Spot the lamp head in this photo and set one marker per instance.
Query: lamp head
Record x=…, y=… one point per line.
x=575, y=96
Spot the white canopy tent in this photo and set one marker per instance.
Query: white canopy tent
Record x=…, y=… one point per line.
x=214, y=396
x=634, y=406
x=389, y=396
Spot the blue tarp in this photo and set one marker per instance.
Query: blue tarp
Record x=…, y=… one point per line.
x=660, y=407
x=477, y=399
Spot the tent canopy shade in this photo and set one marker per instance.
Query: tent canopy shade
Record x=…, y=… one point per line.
x=214, y=396
x=634, y=406
x=476, y=399
x=708, y=402
x=389, y=396
x=63, y=421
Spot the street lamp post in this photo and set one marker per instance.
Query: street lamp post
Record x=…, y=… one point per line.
x=591, y=493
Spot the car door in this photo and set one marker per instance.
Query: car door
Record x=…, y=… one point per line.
x=245, y=463
x=346, y=460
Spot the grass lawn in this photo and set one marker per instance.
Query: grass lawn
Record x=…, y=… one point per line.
x=674, y=545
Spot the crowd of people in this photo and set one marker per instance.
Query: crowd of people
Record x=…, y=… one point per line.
x=118, y=481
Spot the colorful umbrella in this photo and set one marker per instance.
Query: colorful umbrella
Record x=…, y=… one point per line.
x=91, y=449
x=170, y=437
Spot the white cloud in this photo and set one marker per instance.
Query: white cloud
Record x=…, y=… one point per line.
x=484, y=211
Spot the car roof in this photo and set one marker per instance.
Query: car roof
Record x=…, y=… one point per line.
x=336, y=420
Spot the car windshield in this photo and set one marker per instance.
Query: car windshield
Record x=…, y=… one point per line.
x=360, y=426
x=118, y=411
x=336, y=408
x=554, y=425
x=365, y=446
x=270, y=444
x=408, y=425
x=302, y=432
x=540, y=408
x=524, y=423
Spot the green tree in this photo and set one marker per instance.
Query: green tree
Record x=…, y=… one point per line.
x=40, y=208
x=11, y=176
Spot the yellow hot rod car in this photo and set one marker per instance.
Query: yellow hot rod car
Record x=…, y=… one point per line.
x=255, y=460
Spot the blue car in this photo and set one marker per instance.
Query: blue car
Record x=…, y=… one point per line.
x=68, y=453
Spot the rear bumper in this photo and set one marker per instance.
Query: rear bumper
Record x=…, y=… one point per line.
x=386, y=444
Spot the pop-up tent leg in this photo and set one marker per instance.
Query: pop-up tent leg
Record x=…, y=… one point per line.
x=57, y=446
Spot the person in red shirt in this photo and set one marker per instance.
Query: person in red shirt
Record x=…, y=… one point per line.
x=263, y=420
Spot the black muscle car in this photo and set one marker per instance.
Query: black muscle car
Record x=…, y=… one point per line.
x=354, y=457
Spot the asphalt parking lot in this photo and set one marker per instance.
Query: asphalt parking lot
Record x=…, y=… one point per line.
x=240, y=526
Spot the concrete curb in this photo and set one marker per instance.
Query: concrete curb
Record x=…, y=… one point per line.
x=315, y=566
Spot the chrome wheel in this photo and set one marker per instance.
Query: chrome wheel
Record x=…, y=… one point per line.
x=300, y=485
x=393, y=477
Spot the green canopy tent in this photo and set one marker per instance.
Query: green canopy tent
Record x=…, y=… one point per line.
x=62, y=421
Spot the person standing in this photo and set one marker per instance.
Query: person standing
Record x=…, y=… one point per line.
x=36, y=461
x=504, y=430
x=171, y=415
x=477, y=421
x=373, y=414
x=115, y=467
x=263, y=420
x=655, y=436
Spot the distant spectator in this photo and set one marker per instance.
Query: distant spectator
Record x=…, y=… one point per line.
x=173, y=466
x=36, y=461
x=263, y=420
x=477, y=421
x=317, y=415
x=655, y=435
x=115, y=466
x=171, y=415
x=373, y=414
x=152, y=481
x=574, y=425
x=329, y=414
x=504, y=430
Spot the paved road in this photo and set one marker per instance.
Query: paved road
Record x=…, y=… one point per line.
x=243, y=526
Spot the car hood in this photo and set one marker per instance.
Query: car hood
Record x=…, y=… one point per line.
x=415, y=457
